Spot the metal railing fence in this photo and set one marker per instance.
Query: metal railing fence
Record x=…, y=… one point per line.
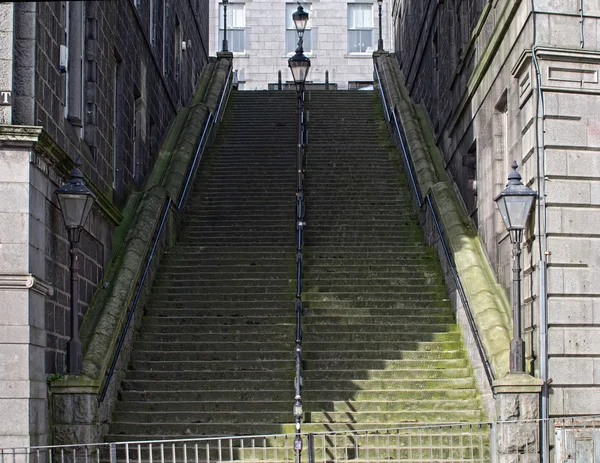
x=211, y=121
x=484, y=442
x=445, y=442
x=392, y=118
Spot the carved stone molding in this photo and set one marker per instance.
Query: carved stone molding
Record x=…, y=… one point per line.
x=26, y=281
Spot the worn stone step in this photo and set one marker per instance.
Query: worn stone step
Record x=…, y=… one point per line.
x=271, y=416
x=310, y=396
x=310, y=375
x=286, y=354
x=168, y=316
x=316, y=329
x=364, y=339
x=288, y=365
x=335, y=385
x=283, y=406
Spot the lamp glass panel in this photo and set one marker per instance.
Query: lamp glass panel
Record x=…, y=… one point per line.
x=300, y=20
x=299, y=71
x=517, y=209
x=75, y=208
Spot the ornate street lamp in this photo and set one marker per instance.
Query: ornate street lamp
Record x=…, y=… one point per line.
x=75, y=200
x=225, y=45
x=515, y=204
x=380, y=41
x=300, y=18
x=299, y=65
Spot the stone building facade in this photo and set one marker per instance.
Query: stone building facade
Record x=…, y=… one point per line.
x=96, y=81
x=340, y=39
x=506, y=80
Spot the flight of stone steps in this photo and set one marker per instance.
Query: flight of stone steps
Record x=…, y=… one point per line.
x=381, y=345
x=215, y=352
x=381, y=348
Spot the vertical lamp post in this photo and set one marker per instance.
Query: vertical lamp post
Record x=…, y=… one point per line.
x=299, y=65
x=380, y=41
x=515, y=204
x=225, y=45
x=75, y=200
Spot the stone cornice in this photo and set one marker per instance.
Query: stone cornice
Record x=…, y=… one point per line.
x=26, y=281
x=568, y=54
x=515, y=383
x=38, y=140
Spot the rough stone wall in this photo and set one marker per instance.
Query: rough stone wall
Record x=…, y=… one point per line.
x=265, y=52
x=119, y=32
x=470, y=64
x=132, y=44
x=115, y=33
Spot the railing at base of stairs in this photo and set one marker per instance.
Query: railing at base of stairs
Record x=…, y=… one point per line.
x=484, y=442
x=211, y=121
x=391, y=115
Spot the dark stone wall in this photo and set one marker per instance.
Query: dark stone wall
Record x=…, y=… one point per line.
x=135, y=76
x=437, y=57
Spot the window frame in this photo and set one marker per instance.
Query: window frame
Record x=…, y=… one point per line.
x=231, y=28
x=370, y=29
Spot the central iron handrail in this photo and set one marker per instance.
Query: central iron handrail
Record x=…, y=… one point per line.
x=300, y=224
x=211, y=121
x=392, y=114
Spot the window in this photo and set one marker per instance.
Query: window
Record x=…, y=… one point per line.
x=291, y=36
x=118, y=106
x=236, y=24
x=74, y=70
x=177, y=50
x=360, y=27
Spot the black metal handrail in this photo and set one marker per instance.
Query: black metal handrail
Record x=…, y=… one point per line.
x=449, y=257
x=300, y=224
x=211, y=122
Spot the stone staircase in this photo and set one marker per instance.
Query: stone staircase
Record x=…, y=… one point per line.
x=381, y=345
x=381, y=348
x=215, y=352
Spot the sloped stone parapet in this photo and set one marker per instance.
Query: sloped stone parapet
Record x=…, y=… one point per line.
x=487, y=300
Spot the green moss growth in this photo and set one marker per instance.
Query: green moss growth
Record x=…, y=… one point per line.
x=487, y=300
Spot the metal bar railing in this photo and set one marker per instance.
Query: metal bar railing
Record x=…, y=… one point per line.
x=196, y=161
x=463, y=297
x=211, y=121
x=479, y=442
x=427, y=201
x=136, y=298
x=300, y=224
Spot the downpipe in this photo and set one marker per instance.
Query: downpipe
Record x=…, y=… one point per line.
x=543, y=246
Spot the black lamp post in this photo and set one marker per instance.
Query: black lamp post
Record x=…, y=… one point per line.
x=515, y=204
x=75, y=200
x=380, y=41
x=299, y=65
x=225, y=45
